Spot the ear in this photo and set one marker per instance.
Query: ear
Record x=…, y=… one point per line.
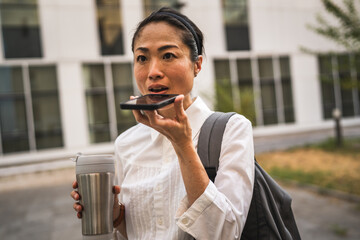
x=198, y=64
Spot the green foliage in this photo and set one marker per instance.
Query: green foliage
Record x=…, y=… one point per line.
x=325, y=179
x=347, y=30
x=322, y=179
x=247, y=104
x=224, y=101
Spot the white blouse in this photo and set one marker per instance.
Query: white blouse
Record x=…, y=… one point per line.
x=153, y=191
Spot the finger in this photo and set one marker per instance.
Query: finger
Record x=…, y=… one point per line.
x=139, y=117
x=79, y=215
x=77, y=207
x=116, y=189
x=179, y=106
x=75, y=195
x=75, y=184
x=151, y=116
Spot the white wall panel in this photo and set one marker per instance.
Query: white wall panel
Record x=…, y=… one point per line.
x=69, y=29
x=132, y=14
x=306, y=89
x=73, y=105
x=280, y=25
x=207, y=15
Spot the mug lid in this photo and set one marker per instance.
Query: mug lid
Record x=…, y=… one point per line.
x=94, y=164
x=94, y=159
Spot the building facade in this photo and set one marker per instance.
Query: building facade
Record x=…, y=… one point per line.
x=66, y=65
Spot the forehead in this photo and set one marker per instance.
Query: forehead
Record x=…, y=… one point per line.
x=159, y=32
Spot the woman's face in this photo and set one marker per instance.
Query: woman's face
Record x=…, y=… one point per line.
x=162, y=63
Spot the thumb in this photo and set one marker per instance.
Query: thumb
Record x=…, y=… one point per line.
x=116, y=191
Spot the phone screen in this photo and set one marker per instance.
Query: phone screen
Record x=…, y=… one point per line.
x=149, y=102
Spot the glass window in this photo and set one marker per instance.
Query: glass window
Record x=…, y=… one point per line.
x=327, y=85
x=246, y=92
x=286, y=89
x=97, y=107
x=346, y=84
x=341, y=67
x=106, y=119
x=268, y=97
x=46, y=107
x=123, y=88
x=153, y=5
x=110, y=27
x=223, y=86
x=357, y=69
x=235, y=17
x=26, y=109
x=239, y=86
x=13, y=120
x=20, y=29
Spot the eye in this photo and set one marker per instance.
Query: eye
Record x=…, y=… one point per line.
x=141, y=58
x=168, y=56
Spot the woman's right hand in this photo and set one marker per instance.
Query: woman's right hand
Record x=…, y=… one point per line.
x=76, y=196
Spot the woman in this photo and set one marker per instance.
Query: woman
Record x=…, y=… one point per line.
x=164, y=186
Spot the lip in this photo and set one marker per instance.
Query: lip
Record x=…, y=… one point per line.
x=158, y=89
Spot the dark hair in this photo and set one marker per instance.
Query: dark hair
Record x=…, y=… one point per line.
x=191, y=34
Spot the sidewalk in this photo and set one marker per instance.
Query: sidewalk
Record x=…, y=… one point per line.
x=38, y=207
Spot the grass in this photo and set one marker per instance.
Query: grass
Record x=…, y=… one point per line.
x=349, y=146
x=339, y=231
x=325, y=165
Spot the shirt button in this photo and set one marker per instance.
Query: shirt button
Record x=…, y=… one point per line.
x=157, y=188
x=185, y=221
x=160, y=221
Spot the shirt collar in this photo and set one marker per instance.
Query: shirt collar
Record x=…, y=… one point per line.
x=197, y=113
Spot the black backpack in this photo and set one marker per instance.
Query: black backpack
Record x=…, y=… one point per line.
x=270, y=215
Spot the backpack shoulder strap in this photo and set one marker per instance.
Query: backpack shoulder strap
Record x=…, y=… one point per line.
x=210, y=139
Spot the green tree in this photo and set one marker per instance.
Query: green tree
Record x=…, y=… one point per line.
x=347, y=30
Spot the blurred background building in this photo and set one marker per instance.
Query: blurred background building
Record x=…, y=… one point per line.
x=66, y=65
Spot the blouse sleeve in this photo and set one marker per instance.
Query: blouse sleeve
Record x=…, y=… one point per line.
x=221, y=211
x=118, y=180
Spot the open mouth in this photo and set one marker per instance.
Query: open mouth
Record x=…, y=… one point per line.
x=158, y=89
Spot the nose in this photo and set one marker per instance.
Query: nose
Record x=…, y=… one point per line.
x=155, y=71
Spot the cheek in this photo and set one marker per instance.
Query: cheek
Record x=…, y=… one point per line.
x=140, y=79
x=185, y=74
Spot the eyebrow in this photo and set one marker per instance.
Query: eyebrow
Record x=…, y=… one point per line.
x=162, y=48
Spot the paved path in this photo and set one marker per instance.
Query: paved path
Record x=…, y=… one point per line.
x=38, y=207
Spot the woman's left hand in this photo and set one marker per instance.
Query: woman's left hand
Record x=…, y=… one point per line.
x=172, y=123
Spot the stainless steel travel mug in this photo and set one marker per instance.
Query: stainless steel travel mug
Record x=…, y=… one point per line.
x=95, y=175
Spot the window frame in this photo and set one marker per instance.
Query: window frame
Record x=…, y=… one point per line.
x=103, y=51
x=256, y=83
x=336, y=84
x=28, y=103
x=149, y=8
x=109, y=90
x=244, y=46
x=40, y=36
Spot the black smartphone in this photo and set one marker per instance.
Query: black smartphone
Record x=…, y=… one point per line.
x=149, y=102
